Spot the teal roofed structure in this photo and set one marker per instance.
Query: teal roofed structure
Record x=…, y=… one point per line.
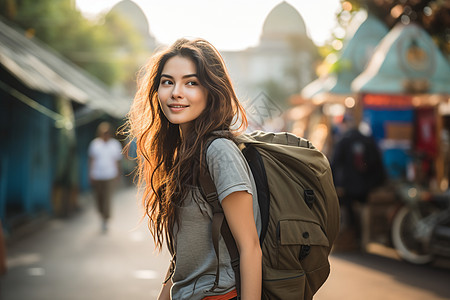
x=406, y=62
x=364, y=34
x=357, y=54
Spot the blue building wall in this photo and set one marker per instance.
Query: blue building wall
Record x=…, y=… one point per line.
x=26, y=154
x=42, y=167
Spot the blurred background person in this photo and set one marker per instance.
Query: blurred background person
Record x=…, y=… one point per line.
x=105, y=154
x=357, y=169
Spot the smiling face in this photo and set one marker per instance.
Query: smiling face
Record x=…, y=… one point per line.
x=181, y=96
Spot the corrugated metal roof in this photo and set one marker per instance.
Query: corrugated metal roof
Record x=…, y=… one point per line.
x=41, y=68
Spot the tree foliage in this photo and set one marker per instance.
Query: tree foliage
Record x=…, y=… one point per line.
x=432, y=15
x=96, y=46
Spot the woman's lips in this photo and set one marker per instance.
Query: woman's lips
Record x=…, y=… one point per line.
x=177, y=107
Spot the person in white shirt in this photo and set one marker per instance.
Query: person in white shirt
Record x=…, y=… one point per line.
x=105, y=154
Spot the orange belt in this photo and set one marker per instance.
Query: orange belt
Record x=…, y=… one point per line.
x=227, y=296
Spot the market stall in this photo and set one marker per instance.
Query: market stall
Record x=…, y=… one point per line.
x=404, y=93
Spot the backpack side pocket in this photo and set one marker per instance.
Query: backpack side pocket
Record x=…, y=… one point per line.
x=304, y=245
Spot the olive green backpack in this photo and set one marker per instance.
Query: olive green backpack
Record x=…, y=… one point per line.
x=299, y=212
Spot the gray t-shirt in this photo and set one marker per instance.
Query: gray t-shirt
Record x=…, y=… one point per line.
x=196, y=260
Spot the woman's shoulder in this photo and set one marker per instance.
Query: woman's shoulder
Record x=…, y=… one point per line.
x=222, y=154
x=223, y=142
x=222, y=145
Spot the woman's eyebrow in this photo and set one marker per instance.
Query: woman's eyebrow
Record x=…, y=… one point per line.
x=185, y=76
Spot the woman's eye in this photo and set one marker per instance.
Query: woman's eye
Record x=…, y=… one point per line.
x=192, y=83
x=166, y=81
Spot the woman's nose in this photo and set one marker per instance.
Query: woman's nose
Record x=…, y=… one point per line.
x=176, y=92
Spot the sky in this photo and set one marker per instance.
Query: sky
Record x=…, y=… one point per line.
x=227, y=24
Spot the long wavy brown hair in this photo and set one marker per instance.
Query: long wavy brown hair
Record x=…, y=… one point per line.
x=168, y=162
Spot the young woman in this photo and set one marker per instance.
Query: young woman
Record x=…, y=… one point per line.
x=185, y=97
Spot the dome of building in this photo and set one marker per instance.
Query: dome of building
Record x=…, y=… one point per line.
x=134, y=14
x=283, y=20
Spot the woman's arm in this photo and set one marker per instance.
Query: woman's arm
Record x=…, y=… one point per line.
x=238, y=209
x=164, y=294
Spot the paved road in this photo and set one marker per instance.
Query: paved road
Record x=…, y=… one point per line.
x=70, y=259
x=380, y=275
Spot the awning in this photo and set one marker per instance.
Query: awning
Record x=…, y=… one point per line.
x=41, y=68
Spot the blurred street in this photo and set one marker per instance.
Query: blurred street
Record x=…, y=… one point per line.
x=71, y=259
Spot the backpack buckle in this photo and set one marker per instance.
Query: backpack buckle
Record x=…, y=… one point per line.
x=235, y=262
x=309, y=197
x=210, y=197
x=212, y=200
x=304, y=251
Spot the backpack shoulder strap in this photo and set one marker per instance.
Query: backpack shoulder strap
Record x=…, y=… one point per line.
x=219, y=223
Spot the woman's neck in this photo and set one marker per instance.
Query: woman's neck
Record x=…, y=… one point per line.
x=184, y=130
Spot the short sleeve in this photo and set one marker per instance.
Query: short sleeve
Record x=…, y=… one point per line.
x=228, y=168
